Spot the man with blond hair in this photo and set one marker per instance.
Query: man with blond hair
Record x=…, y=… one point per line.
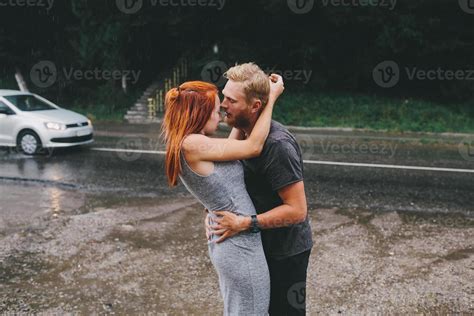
x=274, y=181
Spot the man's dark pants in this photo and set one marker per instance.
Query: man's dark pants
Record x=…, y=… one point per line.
x=288, y=284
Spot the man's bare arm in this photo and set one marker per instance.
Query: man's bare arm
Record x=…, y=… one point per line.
x=293, y=211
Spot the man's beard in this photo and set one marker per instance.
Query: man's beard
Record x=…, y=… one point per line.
x=241, y=121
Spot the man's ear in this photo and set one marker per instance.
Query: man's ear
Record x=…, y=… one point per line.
x=256, y=106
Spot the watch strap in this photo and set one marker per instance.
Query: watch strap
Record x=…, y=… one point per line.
x=254, y=224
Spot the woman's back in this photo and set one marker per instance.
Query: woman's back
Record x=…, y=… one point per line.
x=223, y=189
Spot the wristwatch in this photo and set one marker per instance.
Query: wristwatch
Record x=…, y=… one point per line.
x=254, y=224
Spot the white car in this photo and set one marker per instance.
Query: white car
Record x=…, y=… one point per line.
x=32, y=123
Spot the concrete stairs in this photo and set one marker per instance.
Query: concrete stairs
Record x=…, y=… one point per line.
x=138, y=113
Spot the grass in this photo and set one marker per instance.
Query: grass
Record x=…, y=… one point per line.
x=360, y=111
x=104, y=103
x=100, y=112
x=330, y=110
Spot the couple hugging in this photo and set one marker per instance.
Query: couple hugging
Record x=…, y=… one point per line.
x=251, y=183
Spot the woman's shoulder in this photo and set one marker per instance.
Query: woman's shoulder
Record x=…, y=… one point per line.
x=192, y=142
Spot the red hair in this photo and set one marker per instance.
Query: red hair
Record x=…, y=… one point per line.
x=187, y=110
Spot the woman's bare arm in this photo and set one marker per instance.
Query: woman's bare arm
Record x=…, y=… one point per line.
x=237, y=134
x=201, y=147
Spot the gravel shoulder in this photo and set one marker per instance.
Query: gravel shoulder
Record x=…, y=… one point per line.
x=150, y=256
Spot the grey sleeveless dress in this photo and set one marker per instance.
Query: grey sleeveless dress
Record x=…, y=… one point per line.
x=240, y=262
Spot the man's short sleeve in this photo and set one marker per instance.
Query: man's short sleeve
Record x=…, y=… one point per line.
x=283, y=164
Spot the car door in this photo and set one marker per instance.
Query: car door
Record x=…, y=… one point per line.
x=7, y=124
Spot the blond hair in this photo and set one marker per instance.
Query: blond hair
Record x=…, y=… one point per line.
x=255, y=81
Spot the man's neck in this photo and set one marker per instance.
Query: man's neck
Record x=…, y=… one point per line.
x=248, y=130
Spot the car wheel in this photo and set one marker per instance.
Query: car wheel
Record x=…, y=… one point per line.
x=29, y=143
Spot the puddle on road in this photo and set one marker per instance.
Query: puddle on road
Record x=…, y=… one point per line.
x=459, y=254
x=126, y=272
x=23, y=205
x=26, y=203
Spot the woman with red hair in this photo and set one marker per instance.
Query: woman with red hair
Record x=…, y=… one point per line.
x=211, y=171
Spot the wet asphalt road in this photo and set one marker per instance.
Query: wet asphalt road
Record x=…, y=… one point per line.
x=96, y=231
x=123, y=175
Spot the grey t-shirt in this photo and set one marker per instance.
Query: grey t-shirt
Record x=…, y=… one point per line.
x=280, y=164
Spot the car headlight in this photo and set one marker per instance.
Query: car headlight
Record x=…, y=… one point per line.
x=55, y=126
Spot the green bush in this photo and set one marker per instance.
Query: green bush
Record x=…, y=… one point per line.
x=362, y=111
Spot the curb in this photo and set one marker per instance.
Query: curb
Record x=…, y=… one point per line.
x=304, y=129
x=367, y=130
x=301, y=130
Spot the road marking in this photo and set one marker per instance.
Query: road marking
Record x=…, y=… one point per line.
x=374, y=165
x=130, y=150
x=316, y=162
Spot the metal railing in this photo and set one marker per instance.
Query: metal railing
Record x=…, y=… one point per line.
x=179, y=73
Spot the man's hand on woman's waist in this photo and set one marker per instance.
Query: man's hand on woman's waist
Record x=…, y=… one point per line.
x=227, y=224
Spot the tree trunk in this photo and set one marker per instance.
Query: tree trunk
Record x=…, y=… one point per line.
x=21, y=81
x=124, y=84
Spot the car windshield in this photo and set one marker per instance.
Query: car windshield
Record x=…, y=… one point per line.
x=28, y=102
